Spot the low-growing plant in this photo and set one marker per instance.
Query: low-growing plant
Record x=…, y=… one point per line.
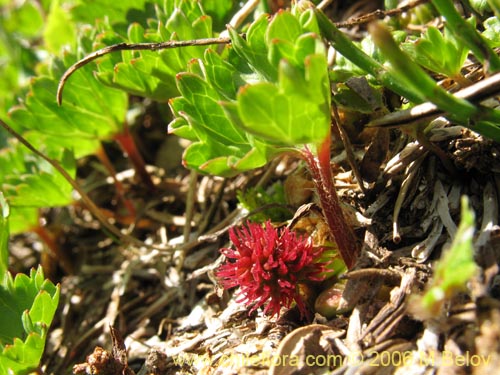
x=243, y=110
x=446, y=281
x=26, y=311
x=265, y=93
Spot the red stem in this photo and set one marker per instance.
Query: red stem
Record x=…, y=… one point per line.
x=55, y=251
x=120, y=190
x=127, y=143
x=323, y=180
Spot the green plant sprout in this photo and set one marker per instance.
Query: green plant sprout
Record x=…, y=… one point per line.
x=245, y=105
x=468, y=35
x=27, y=309
x=440, y=53
x=453, y=271
x=255, y=198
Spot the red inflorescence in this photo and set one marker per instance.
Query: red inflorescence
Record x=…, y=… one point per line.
x=268, y=266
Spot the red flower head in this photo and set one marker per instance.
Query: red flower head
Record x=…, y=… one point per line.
x=268, y=266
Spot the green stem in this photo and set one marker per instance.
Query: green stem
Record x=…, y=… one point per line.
x=415, y=77
x=458, y=109
x=408, y=79
x=352, y=52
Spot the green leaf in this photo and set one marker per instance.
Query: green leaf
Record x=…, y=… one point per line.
x=254, y=49
x=27, y=307
x=437, y=52
x=219, y=147
x=23, y=219
x=205, y=113
x=222, y=75
x=456, y=266
x=467, y=33
x=23, y=18
x=88, y=11
x=29, y=183
x=405, y=70
x=492, y=31
x=59, y=29
x=293, y=113
x=4, y=234
x=255, y=198
x=90, y=113
x=152, y=74
x=480, y=6
x=21, y=24
x=219, y=11
x=364, y=101
x=284, y=26
x=243, y=106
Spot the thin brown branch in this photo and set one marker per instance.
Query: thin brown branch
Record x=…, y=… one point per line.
x=133, y=47
x=379, y=14
x=85, y=198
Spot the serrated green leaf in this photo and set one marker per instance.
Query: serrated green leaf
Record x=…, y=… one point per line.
x=242, y=107
x=23, y=18
x=222, y=75
x=219, y=11
x=437, y=52
x=90, y=112
x=27, y=307
x=23, y=219
x=28, y=325
x=89, y=11
x=28, y=181
x=205, y=114
x=219, y=147
x=280, y=118
x=19, y=358
x=152, y=74
x=296, y=112
x=181, y=128
x=254, y=49
x=223, y=161
x=20, y=294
